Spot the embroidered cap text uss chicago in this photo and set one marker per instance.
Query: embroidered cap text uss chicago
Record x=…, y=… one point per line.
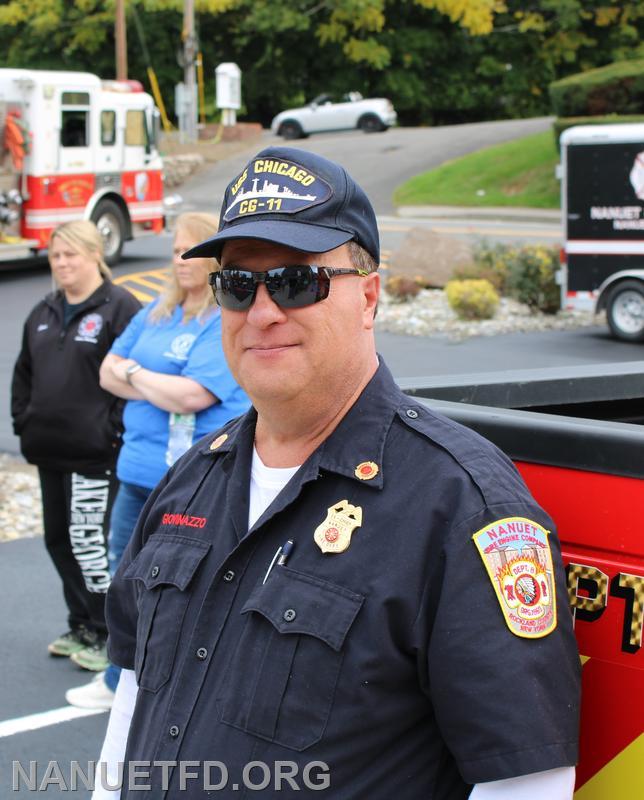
x=294, y=198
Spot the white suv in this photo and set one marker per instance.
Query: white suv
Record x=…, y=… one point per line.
x=327, y=113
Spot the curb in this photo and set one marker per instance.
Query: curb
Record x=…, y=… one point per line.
x=472, y=212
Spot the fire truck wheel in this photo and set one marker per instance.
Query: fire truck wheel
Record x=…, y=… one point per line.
x=625, y=311
x=110, y=221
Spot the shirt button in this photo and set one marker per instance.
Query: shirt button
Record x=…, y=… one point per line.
x=202, y=653
x=228, y=577
x=154, y=571
x=289, y=615
x=412, y=413
x=174, y=731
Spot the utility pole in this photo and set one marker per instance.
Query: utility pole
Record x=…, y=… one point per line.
x=189, y=54
x=120, y=37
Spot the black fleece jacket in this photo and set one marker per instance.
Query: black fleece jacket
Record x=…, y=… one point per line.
x=65, y=420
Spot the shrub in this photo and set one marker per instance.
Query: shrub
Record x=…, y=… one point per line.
x=490, y=264
x=615, y=89
x=527, y=274
x=531, y=278
x=472, y=299
x=401, y=288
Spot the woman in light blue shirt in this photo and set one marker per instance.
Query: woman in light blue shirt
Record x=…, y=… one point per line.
x=170, y=367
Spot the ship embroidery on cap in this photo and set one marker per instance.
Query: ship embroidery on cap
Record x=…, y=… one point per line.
x=288, y=189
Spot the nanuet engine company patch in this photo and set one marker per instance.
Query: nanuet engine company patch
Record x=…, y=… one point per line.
x=517, y=557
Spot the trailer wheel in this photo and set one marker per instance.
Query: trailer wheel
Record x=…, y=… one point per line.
x=111, y=224
x=625, y=311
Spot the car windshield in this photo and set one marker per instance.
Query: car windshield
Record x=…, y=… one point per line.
x=326, y=98
x=323, y=99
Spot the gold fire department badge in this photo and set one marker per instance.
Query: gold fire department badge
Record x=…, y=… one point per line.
x=334, y=534
x=517, y=557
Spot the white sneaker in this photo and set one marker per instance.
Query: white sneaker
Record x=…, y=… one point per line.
x=95, y=694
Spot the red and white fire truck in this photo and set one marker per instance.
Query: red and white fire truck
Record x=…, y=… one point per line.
x=75, y=147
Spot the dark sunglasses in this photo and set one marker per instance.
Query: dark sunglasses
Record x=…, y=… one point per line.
x=293, y=286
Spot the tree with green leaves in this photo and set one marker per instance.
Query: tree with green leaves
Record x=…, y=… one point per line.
x=438, y=60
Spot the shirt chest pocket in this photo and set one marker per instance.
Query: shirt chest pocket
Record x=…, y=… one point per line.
x=164, y=569
x=283, y=674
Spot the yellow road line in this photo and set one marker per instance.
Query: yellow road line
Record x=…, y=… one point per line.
x=138, y=278
x=142, y=296
x=162, y=274
x=540, y=233
x=158, y=274
x=137, y=282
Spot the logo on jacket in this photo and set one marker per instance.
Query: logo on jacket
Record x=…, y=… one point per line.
x=89, y=328
x=180, y=346
x=517, y=557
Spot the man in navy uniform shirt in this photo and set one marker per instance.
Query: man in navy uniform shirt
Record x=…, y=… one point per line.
x=341, y=592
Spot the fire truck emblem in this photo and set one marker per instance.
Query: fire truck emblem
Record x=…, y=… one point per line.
x=141, y=184
x=89, y=328
x=334, y=534
x=517, y=557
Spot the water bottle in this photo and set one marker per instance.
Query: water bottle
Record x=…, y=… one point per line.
x=181, y=428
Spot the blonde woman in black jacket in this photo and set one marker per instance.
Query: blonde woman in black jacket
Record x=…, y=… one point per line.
x=70, y=428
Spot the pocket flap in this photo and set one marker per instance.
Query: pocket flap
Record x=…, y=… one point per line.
x=298, y=603
x=167, y=559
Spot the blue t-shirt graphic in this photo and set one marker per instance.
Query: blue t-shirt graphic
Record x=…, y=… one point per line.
x=192, y=350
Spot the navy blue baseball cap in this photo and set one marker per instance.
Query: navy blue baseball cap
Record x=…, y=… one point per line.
x=294, y=198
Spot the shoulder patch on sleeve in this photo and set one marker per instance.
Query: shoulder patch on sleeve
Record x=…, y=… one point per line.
x=516, y=554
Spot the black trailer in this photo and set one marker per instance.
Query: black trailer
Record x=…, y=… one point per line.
x=603, y=211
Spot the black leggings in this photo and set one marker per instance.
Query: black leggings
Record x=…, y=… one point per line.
x=76, y=515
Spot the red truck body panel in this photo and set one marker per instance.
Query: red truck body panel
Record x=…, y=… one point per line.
x=576, y=434
x=599, y=521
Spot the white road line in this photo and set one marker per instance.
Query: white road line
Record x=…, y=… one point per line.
x=539, y=233
x=10, y=727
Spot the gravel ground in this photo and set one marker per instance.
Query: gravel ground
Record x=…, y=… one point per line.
x=425, y=315
x=429, y=314
x=20, y=511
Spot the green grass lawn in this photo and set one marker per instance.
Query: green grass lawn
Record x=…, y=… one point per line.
x=518, y=173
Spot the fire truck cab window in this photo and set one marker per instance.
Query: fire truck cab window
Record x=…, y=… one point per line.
x=74, y=129
x=136, y=132
x=108, y=127
x=73, y=132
